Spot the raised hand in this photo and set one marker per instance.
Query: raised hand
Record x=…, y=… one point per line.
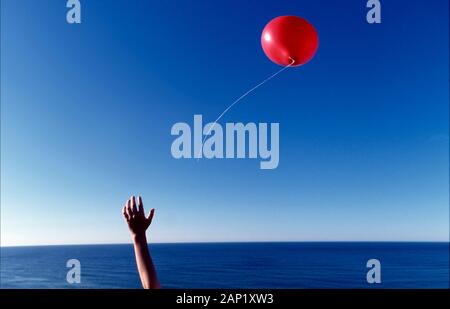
x=138, y=224
x=135, y=216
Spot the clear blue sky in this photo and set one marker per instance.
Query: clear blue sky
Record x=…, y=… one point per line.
x=86, y=112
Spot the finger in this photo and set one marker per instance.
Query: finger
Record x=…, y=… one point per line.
x=124, y=212
x=133, y=205
x=150, y=215
x=129, y=212
x=140, y=205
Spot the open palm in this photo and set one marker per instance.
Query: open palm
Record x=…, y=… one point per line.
x=135, y=216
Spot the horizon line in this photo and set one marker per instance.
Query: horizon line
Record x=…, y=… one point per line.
x=232, y=242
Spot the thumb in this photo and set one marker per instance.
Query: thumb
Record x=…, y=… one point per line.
x=150, y=215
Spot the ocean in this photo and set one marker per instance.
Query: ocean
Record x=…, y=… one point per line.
x=233, y=265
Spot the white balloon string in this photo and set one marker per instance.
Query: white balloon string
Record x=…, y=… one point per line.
x=240, y=98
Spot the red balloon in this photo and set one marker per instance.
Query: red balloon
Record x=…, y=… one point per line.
x=289, y=38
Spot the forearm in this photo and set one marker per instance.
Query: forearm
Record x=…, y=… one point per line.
x=144, y=262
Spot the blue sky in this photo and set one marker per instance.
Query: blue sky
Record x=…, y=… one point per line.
x=86, y=112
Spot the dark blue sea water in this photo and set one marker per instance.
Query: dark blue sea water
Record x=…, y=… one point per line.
x=232, y=265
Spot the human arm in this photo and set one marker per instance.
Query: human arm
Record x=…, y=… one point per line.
x=138, y=224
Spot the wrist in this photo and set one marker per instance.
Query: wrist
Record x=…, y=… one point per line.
x=139, y=237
